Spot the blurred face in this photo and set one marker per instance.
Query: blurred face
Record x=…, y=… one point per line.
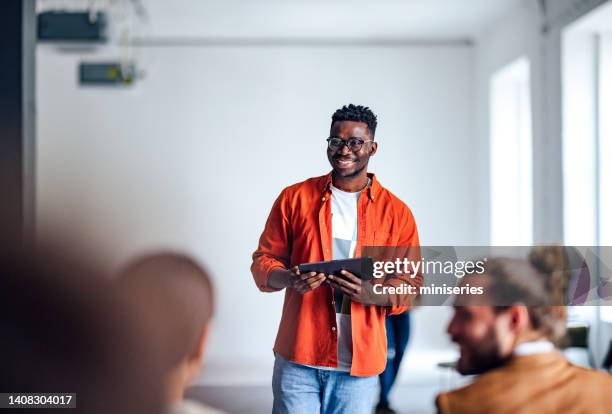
x=346, y=162
x=484, y=336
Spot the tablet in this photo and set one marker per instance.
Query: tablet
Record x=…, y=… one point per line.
x=362, y=267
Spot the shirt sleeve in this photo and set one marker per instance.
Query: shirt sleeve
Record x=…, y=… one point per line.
x=274, y=247
x=409, y=242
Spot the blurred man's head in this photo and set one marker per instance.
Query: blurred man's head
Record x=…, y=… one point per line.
x=518, y=305
x=64, y=330
x=176, y=294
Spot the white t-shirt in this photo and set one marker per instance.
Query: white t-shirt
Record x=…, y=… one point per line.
x=344, y=241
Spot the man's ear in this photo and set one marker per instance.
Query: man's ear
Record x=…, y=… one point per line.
x=198, y=353
x=194, y=362
x=519, y=318
x=373, y=148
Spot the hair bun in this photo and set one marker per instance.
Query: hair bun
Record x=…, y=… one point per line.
x=552, y=263
x=549, y=259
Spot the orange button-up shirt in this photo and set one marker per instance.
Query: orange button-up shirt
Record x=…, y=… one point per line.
x=298, y=230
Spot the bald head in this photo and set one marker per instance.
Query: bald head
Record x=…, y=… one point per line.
x=176, y=294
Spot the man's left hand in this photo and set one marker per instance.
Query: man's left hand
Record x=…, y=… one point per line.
x=349, y=284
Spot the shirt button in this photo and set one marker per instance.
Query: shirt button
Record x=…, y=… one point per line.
x=323, y=199
x=333, y=329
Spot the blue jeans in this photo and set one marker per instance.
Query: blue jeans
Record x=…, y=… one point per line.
x=398, y=333
x=299, y=389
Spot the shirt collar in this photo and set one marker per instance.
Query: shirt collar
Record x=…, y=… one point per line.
x=533, y=347
x=373, y=189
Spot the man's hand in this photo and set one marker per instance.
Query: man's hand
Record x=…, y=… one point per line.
x=305, y=282
x=349, y=284
x=292, y=278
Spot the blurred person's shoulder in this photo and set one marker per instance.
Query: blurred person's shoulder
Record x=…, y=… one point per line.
x=501, y=390
x=192, y=407
x=594, y=382
x=470, y=399
x=530, y=383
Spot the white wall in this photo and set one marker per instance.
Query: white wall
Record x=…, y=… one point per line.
x=193, y=156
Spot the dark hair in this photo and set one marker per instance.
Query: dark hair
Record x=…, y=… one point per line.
x=356, y=113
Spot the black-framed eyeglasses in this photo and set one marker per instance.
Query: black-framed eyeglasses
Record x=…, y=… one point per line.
x=354, y=144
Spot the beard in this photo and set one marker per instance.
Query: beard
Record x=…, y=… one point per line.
x=481, y=356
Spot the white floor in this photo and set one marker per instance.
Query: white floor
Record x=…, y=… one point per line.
x=244, y=387
x=405, y=399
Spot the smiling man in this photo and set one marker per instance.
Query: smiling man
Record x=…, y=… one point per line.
x=507, y=337
x=330, y=347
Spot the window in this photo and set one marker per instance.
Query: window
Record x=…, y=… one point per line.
x=605, y=140
x=605, y=150
x=511, y=156
x=587, y=135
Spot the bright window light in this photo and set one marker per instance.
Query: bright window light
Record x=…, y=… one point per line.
x=579, y=149
x=605, y=140
x=587, y=141
x=605, y=149
x=511, y=156
x=579, y=140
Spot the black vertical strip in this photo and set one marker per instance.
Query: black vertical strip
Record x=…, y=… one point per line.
x=11, y=120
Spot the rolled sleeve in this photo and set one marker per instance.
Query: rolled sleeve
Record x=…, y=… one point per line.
x=273, y=251
x=410, y=239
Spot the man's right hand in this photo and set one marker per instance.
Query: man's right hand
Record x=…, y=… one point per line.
x=301, y=282
x=305, y=282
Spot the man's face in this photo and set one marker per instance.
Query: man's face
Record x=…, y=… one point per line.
x=483, y=336
x=345, y=162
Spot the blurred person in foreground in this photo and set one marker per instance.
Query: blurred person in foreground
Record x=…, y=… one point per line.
x=177, y=295
x=512, y=345
x=65, y=330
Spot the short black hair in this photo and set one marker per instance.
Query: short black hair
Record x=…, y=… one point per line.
x=356, y=113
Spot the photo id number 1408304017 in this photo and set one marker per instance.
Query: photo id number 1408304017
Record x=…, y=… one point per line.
x=37, y=400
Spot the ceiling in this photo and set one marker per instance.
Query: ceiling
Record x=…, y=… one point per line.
x=598, y=20
x=312, y=19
